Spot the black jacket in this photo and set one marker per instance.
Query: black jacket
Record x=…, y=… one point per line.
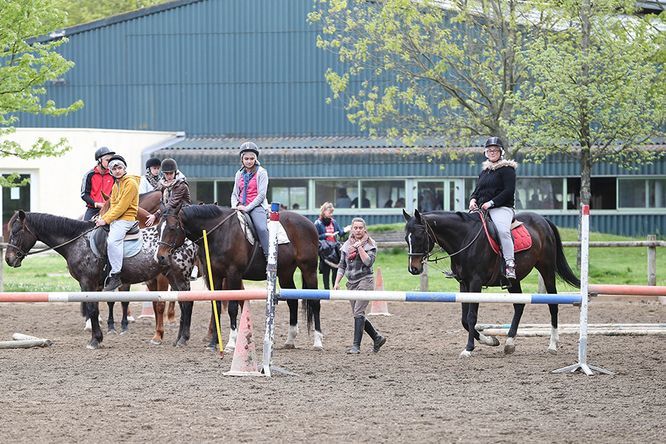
x=497, y=182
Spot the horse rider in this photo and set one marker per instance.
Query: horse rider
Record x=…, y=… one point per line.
x=357, y=256
x=249, y=193
x=175, y=191
x=494, y=192
x=121, y=216
x=97, y=181
x=151, y=178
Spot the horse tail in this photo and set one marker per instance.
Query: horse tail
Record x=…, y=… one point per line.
x=308, y=309
x=563, y=268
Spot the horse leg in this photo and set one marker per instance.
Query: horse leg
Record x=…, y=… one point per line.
x=554, y=334
x=293, y=324
x=97, y=336
x=518, y=309
x=232, y=310
x=110, y=322
x=313, y=308
x=471, y=312
x=185, y=322
x=158, y=308
x=171, y=313
x=125, y=321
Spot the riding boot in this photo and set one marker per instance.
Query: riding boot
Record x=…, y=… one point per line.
x=378, y=339
x=112, y=282
x=358, y=335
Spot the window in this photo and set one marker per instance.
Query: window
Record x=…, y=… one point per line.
x=223, y=192
x=292, y=193
x=430, y=196
x=339, y=192
x=381, y=194
x=539, y=194
x=14, y=198
x=202, y=192
x=641, y=193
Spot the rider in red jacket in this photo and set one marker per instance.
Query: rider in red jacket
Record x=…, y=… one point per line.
x=97, y=181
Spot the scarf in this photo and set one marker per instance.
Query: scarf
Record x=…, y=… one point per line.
x=352, y=253
x=152, y=180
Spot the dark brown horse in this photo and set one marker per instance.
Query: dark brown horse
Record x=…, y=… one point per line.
x=476, y=265
x=69, y=238
x=233, y=258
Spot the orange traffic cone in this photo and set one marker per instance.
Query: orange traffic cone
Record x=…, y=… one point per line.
x=244, y=362
x=147, y=311
x=379, y=308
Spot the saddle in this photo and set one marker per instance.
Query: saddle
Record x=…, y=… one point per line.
x=131, y=246
x=521, y=237
x=251, y=234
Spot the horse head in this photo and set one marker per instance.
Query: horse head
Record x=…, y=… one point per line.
x=418, y=240
x=172, y=236
x=21, y=239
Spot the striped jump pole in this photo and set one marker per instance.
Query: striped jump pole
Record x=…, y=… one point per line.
x=628, y=290
x=134, y=296
x=534, y=332
x=271, y=287
x=582, y=364
x=413, y=296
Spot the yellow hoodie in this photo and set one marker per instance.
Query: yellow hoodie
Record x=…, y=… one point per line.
x=124, y=199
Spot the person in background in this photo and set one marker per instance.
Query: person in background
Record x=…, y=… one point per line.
x=329, y=231
x=357, y=257
x=342, y=199
x=97, y=181
x=494, y=193
x=151, y=178
x=175, y=191
x=249, y=193
x=121, y=217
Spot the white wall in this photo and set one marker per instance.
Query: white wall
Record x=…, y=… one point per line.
x=56, y=181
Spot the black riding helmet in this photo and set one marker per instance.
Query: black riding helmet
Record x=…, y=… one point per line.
x=169, y=166
x=103, y=151
x=249, y=147
x=495, y=141
x=153, y=162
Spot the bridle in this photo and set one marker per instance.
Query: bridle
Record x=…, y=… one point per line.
x=172, y=246
x=22, y=254
x=432, y=238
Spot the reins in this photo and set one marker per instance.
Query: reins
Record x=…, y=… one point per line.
x=219, y=224
x=23, y=254
x=432, y=237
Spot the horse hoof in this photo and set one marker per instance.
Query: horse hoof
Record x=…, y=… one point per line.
x=509, y=348
x=289, y=346
x=180, y=343
x=112, y=331
x=155, y=342
x=124, y=331
x=491, y=341
x=94, y=346
x=466, y=354
x=228, y=349
x=318, y=347
x=552, y=350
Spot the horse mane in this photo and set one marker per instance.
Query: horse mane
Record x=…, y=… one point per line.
x=205, y=211
x=57, y=224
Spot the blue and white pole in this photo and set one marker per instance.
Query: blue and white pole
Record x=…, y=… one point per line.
x=271, y=282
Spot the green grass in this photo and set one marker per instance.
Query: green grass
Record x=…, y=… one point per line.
x=48, y=272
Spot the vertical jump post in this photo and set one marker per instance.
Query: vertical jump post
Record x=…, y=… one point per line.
x=582, y=364
x=271, y=278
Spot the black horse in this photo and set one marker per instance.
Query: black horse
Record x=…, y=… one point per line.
x=475, y=264
x=68, y=238
x=233, y=258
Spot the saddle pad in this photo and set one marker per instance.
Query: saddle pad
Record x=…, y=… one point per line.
x=281, y=235
x=521, y=237
x=130, y=247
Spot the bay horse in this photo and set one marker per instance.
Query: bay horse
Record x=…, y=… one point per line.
x=69, y=238
x=475, y=264
x=233, y=258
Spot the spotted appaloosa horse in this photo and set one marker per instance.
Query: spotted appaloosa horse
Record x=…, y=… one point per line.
x=475, y=264
x=68, y=238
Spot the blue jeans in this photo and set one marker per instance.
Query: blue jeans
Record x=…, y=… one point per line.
x=258, y=215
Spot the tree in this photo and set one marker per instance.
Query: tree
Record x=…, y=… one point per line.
x=27, y=65
x=84, y=11
x=597, y=86
x=414, y=68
